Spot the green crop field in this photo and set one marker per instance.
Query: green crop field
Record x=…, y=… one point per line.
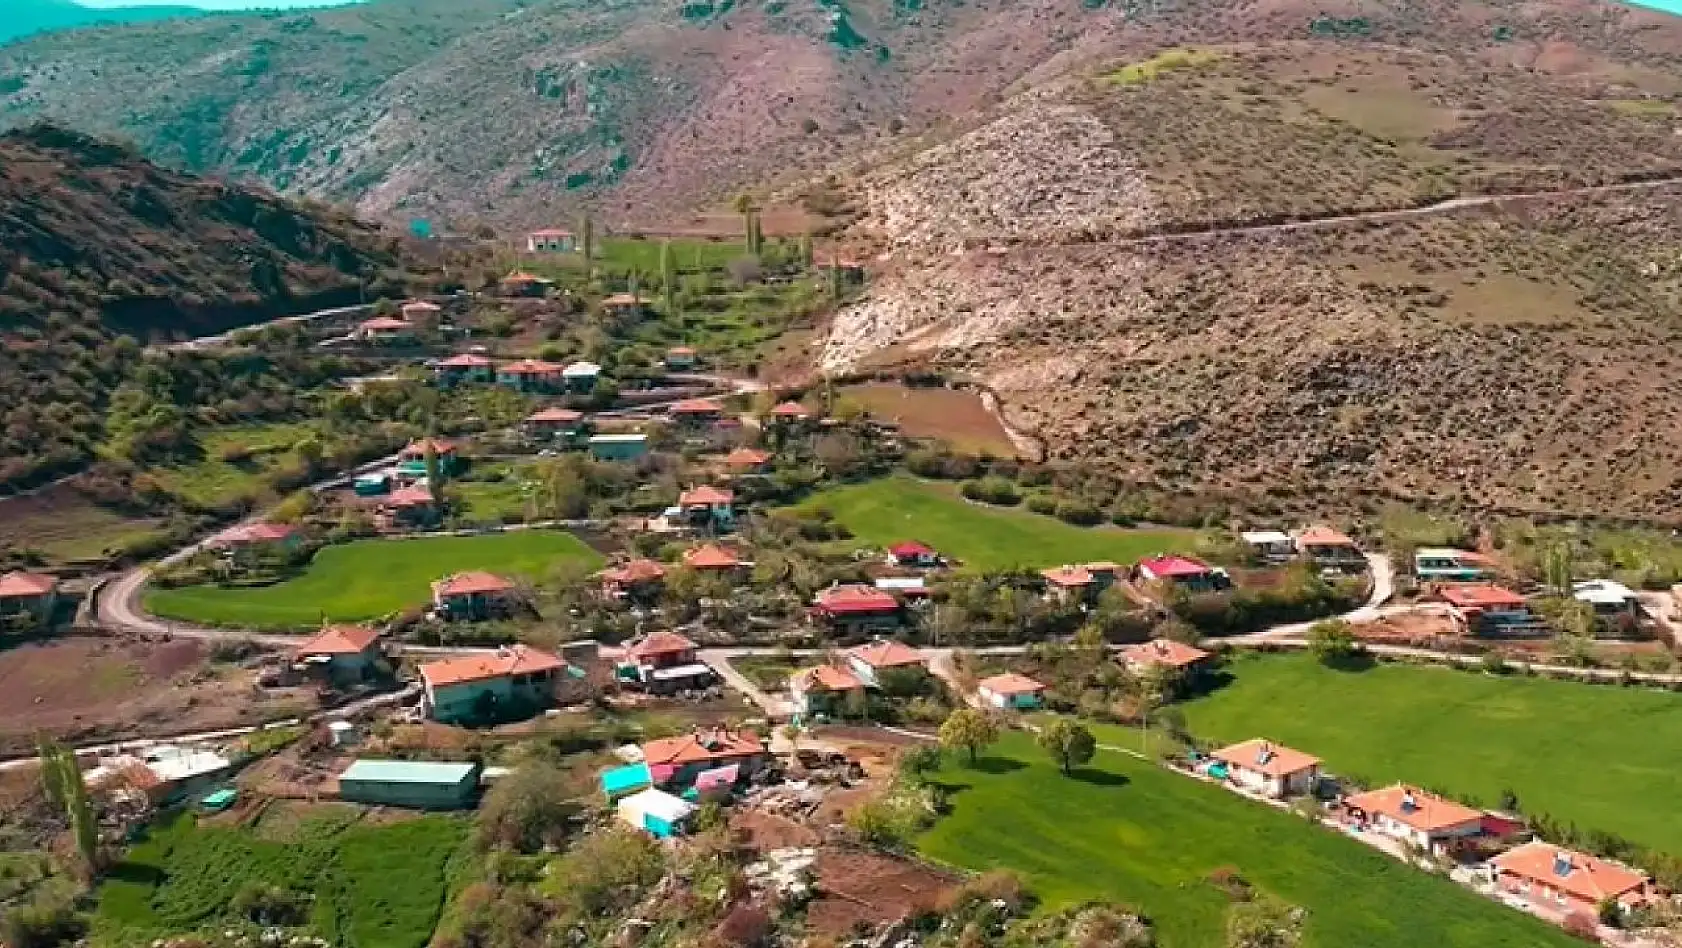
x=256, y=451
x=1126, y=830
x=899, y=508
x=1598, y=756
x=362, y=886
x=369, y=578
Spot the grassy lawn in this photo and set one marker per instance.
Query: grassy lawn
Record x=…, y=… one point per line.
x=899, y=508
x=369, y=886
x=214, y=480
x=1128, y=831
x=369, y=578
x=1599, y=756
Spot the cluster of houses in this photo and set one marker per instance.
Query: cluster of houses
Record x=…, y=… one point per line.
x=1465, y=582
x=527, y=376
x=399, y=331
x=1323, y=546
x=663, y=781
x=1558, y=881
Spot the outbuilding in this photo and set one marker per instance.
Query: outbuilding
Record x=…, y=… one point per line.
x=656, y=811
x=418, y=784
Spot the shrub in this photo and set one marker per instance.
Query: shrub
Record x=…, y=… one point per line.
x=1079, y=512
x=991, y=490
x=1042, y=504
x=43, y=924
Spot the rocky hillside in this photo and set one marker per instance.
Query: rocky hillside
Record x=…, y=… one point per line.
x=1113, y=252
x=99, y=249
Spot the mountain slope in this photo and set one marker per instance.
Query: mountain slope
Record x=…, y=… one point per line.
x=26, y=17
x=98, y=248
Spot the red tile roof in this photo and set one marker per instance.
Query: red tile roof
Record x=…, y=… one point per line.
x=701, y=748
x=1068, y=577
x=417, y=448
x=825, y=678
x=384, y=322
x=791, y=410
x=410, y=497
x=466, y=360
x=1411, y=806
x=1586, y=877
x=710, y=556
x=659, y=643
x=20, y=585
x=1173, y=566
x=1481, y=596
x=505, y=663
x=531, y=367
x=747, y=457
x=681, y=351
x=559, y=416
x=910, y=549
x=696, y=406
x=1323, y=536
x=705, y=495
x=1163, y=652
x=472, y=582
x=636, y=571
x=1011, y=683
x=886, y=653
x=852, y=598
x=1267, y=758
x=340, y=640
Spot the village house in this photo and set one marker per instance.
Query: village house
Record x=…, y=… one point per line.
x=1330, y=549
x=695, y=412
x=530, y=376
x=912, y=554
x=680, y=358
x=1011, y=692
x=1067, y=583
x=34, y=595
x=664, y=662
x=679, y=761
x=385, y=331
x=465, y=367
x=1443, y=565
x=551, y=241
x=412, y=459
x=472, y=596
x=342, y=654
x=712, y=558
x=1269, y=546
x=1263, y=767
x=258, y=538
x=1182, y=572
x=789, y=414
x=870, y=660
x=638, y=579
x=580, y=378
x=1565, y=881
x=1415, y=816
x=618, y=447
x=624, y=305
x=421, y=312
x=1617, y=608
x=557, y=424
x=852, y=609
x=1186, y=659
x=1485, y=609
x=744, y=461
x=515, y=681
x=825, y=689
x=411, y=507
x=519, y=283
x=708, y=507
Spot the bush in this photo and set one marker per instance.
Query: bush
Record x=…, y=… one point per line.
x=43, y=924
x=991, y=490
x=1079, y=512
x=526, y=810
x=1042, y=504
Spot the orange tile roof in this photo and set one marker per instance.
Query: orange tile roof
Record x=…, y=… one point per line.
x=702, y=747
x=472, y=582
x=466, y=360
x=636, y=571
x=422, y=306
x=1163, y=652
x=17, y=585
x=506, y=662
x=622, y=299
x=261, y=532
x=696, y=406
x=853, y=598
x=1267, y=758
x=417, y=448
x=1428, y=812
x=563, y=416
x=531, y=367
x=710, y=556
x=1587, y=877
x=747, y=457
x=340, y=640
x=826, y=678
x=681, y=351
x=1067, y=577
x=705, y=494
x=1323, y=536
x=1010, y=683
x=791, y=410
x=410, y=497
x=659, y=643
x=384, y=322
x=1481, y=596
x=886, y=653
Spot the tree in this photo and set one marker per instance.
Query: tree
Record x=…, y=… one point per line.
x=805, y=251
x=791, y=733
x=526, y=810
x=1068, y=742
x=1263, y=922
x=1332, y=641
x=587, y=239
x=744, y=206
x=1556, y=569
x=969, y=729
x=61, y=778
x=668, y=277
x=919, y=760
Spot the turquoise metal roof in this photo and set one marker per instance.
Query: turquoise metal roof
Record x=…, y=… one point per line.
x=408, y=771
x=622, y=779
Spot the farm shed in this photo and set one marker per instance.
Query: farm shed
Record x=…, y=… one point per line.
x=656, y=811
x=423, y=785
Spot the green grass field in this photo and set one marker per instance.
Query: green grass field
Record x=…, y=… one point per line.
x=1126, y=830
x=368, y=886
x=369, y=578
x=1599, y=756
x=899, y=508
x=212, y=480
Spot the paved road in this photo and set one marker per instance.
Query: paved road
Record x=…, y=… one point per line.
x=1383, y=575
x=221, y=338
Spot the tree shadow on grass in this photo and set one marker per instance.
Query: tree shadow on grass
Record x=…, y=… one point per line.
x=137, y=874
x=1358, y=662
x=1100, y=778
x=997, y=766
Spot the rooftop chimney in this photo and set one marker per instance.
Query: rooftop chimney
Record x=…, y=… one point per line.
x=1562, y=863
